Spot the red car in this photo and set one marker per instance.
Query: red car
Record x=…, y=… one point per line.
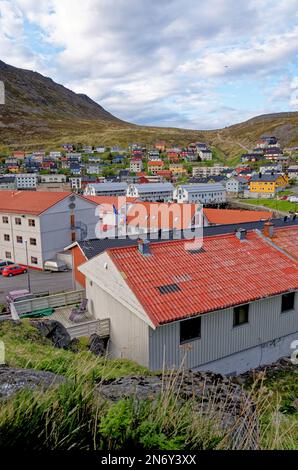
x=14, y=270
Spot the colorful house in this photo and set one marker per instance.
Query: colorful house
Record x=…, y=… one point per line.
x=267, y=185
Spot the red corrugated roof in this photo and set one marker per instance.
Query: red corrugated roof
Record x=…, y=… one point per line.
x=164, y=216
x=231, y=216
x=110, y=200
x=229, y=272
x=287, y=239
x=29, y=202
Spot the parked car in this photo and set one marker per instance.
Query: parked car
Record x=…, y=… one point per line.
x=55, y=265
x=4, y=264
x=14, y=270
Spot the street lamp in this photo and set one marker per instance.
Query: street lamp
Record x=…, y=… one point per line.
x=28, y=275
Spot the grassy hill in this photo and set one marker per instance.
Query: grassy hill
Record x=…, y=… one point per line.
x=39, y=113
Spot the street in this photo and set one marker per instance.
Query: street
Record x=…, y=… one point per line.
x=40, y=282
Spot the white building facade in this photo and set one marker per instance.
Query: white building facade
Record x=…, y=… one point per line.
x=201, y=194
x=47, y=233
x=154, y=192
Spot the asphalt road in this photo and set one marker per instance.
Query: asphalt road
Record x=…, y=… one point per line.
x=40, y=282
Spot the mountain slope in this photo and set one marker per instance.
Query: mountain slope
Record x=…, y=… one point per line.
x=40, y=113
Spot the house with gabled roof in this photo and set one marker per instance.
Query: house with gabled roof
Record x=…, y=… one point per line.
x=45, y=221
x=228, y=305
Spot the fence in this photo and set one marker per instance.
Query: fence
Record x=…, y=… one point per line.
x=99, y=327
x=55, y=301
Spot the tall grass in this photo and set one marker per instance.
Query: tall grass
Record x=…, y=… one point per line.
x=75, y=415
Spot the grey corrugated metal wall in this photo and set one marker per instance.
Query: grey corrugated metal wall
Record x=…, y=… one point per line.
x=219, y=338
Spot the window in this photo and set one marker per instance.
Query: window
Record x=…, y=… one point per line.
x=18, y=221
x=5, y=220
x=34, y=260
x=31, y=222
x=19, y=239
x=241, y=315
x=33, y=241
x=7, y=238
x=8, y=255
x=190, y=330
x=288, y=302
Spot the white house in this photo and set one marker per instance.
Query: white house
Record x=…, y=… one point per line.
x=136, y=165
x=201, y=194
x=106, y=189
x=94, y=170
x=205, y=171
x=153, y=192
x=75, y=182
x=236, y=185
x=47, y=221
x=205, y=154
x=26, y=181
x=221, y=307
x=54, y=178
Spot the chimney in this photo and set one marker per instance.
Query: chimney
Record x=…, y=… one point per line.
x=241, y=234
x=268, y=229
x=144, y=247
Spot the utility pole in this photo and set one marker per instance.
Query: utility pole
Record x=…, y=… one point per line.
x=28, y=274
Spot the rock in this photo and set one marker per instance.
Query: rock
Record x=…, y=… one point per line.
x=210, y=392
x=97, y=345
x=74, y=345
x=14, y=380
x=295, y=403
x=54, y=331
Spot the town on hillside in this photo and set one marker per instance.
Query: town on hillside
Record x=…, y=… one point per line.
x=212, y=245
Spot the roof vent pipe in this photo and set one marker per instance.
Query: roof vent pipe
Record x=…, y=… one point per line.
x=144, y=247
x=241, y=234
x=268, y=229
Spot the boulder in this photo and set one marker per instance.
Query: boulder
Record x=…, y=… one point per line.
x=212, y=393
x=13, y=380
x=97, y=345
x=54, y=331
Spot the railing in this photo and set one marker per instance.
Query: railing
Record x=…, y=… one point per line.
x=99, y=327
x=55, y=301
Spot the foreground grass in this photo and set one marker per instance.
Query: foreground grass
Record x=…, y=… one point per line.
x=75, y=416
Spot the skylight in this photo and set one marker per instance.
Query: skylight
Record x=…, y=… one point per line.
x=168, y=289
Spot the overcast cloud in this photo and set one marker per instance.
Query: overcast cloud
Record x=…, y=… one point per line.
x=196, y=64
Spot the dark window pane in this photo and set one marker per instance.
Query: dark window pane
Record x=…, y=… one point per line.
x=190, y=330
x=241, y=315
x=288, y=302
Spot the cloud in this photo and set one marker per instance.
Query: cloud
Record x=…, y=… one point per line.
x=160, y=61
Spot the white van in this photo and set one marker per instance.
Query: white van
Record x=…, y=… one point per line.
x=55, y=265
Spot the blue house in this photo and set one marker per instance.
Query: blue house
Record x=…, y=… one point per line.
x=118, y=159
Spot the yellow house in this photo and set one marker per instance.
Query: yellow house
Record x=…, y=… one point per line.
x=178, y=169
x=268, y=184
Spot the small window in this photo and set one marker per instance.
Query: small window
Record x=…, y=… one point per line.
x=19, y=239
x=31, y=222
x=241, y=315
x=8, y=255
x=190, y=330
x=34, y=260
x=7, y=238
x=33, y=241
x=18, y=221
x=288, y=302
x=5, y=220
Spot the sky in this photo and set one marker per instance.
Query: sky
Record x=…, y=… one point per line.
x=197, y=64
